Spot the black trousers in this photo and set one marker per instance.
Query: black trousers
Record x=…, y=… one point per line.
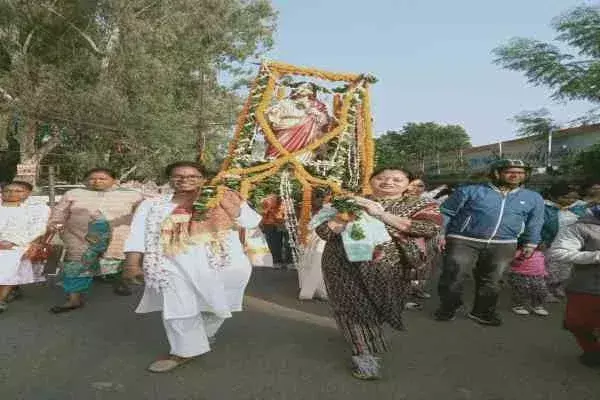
x=278, y=242
x=487, y=262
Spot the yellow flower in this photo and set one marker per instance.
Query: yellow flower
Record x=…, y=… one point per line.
x=253, y=114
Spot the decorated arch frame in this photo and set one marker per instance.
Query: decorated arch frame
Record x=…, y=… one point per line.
x=345, y=150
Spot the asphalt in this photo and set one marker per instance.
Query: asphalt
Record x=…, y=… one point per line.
x=279, y=348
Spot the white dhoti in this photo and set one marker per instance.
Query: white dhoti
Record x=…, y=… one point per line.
x=189, y=337
x=199, y=296
x=310, y=275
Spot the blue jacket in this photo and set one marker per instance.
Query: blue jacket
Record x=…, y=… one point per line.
x=483, y=213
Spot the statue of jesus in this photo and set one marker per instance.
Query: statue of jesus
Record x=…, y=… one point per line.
x=298, y=121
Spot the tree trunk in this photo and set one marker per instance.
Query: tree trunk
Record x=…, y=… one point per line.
x=32, y=157
x=113, y=41
x=4, y=130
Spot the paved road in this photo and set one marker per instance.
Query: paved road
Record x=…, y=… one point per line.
x=279, y=348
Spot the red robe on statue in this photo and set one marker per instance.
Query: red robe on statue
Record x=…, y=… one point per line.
x=313, y=120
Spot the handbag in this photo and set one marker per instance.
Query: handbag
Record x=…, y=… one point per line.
x=40, y=250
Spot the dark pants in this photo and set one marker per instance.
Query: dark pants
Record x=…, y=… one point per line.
x=278, y=242
x=487, y=263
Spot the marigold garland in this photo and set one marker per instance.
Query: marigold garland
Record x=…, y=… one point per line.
x=306, y=211
x=240, y=123
x=353, y=117
x=285, y=155
x=369, y=153
x=208, y=198
x=290, y=69
x=301, y=172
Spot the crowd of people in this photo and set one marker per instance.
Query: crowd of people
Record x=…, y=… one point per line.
x=195, y=265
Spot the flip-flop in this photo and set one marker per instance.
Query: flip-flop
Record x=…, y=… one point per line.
x=161, y=366
x=411, y=305
x=365, y=377
x=64, y=309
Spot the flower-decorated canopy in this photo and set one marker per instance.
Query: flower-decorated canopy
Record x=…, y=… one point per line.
x=287, y=132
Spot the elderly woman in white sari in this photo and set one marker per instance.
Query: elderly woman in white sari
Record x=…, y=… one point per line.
x=21, y=223
x=193, y=262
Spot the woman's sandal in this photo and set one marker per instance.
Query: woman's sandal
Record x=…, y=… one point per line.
x=168, y=364
x=366, y=367
x=64, y=309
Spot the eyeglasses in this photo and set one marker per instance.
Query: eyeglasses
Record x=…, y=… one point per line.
x=186, y=177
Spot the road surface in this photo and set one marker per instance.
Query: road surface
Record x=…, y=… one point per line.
x=279, y=348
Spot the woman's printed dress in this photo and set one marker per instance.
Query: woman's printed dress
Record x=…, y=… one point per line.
x=365, y=295
x=83, y=212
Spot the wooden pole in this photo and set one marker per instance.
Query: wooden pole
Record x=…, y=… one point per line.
x=549, y=157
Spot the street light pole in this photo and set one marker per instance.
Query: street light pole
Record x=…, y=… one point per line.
x=549, y=155
x=51, y=186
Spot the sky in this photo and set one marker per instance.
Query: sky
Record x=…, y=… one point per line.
x=432, y=58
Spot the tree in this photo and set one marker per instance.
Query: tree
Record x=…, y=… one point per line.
x=535, y=123
x=117, y=82
x=391, y=149
x=588, y=162
x=417, y=142
x=569, y=76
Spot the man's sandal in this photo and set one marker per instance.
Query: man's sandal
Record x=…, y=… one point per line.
x=169, y=364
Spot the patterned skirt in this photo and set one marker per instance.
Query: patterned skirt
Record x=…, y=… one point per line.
x=365, y=295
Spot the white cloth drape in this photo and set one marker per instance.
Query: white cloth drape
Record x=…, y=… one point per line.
x=21, y=225
x=310, y=275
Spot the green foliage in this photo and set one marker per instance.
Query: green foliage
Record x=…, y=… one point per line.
x=346, y=205
x=417, y=141
x=589, y=161
x=133, y=83
x=532, y=123
x=570, y=76
x=357, y=232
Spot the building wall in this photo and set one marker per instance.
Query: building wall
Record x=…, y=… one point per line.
x=532, y=149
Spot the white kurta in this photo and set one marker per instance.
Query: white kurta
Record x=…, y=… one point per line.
x=21, y=225
x=310, y=275
x=198, y=297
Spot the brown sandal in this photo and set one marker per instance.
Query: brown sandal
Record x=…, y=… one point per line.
x=169, y=364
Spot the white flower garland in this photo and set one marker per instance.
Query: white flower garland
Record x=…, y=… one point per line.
x=155, y=275
x=291, y=220
x=218, y=249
